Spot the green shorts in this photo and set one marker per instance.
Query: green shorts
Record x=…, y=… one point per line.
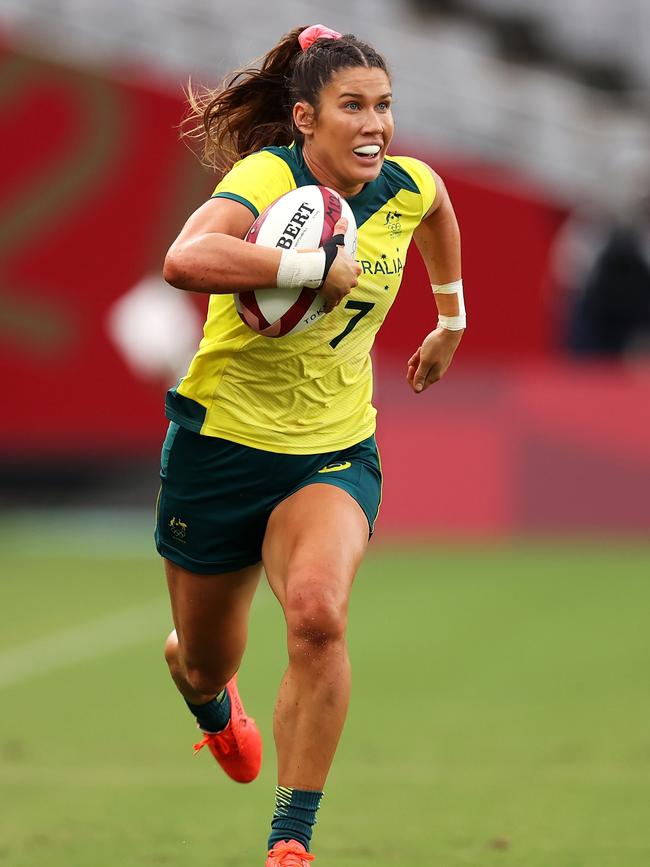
x=216, y=496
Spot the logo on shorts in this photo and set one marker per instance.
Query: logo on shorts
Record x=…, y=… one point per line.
x=336, y=467
x=178, y=529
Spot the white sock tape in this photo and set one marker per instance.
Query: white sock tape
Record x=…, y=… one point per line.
x=452, y=323
x=448, y=288
x=298, y=269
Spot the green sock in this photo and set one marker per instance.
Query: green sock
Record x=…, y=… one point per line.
x=294, y=816
x=214, y=715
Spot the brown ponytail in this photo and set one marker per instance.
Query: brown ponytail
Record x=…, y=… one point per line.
x=253, y=107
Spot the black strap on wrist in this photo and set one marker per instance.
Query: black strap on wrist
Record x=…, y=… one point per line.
x=331, y=248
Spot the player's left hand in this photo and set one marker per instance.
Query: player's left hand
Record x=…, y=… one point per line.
x=430, y=362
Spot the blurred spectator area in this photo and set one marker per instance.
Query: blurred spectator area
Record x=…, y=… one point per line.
x=597, y=42
x=96, y=186
x=551, y=88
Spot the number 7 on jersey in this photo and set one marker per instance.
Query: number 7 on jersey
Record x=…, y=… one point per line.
x=364, y=307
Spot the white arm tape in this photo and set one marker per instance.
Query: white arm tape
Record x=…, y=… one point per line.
x=452, y=323
x=298, y=270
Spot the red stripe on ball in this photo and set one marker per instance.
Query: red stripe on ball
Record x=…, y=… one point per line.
x=274, y=330
x=298, y=309
x=332, y=213
x=249, y=302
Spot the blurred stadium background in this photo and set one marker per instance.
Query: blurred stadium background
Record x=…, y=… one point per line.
x=516, y=503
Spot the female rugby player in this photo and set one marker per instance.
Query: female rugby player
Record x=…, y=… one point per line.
x=270, y=460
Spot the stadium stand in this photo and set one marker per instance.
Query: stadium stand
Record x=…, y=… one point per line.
x=600, y=44
x=461, y=80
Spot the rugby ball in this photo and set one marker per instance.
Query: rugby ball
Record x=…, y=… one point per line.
x=301, y=219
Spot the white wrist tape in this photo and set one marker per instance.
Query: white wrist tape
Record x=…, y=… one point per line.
x=452, y=323
x=298, y=270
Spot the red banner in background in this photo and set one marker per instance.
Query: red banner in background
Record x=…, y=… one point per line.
x=96, y=185
x=544, y=447
x=507, y=227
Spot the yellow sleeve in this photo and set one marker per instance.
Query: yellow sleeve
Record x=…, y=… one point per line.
x=256, y=181
x=423, y=179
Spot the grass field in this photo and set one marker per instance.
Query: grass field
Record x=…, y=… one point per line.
x=500, y=711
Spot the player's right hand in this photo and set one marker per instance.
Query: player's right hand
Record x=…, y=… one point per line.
x=342, y=275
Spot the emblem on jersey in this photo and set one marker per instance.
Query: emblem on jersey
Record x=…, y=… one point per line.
x=393, y=223
x=178, y=529
x=336, y=467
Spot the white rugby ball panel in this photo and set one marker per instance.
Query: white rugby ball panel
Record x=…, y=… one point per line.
x=275, y=303
x=304, y=218
x=299, y=219
x=351, y=231
x=306, y=309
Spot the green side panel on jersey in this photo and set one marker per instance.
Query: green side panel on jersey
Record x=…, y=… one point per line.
x=184, y=411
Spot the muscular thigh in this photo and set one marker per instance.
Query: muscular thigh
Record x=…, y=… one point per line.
x=210, y=611
x=314, y=542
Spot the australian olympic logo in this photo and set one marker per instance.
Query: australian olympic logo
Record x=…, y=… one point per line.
x=393, y=223
x=178, y=529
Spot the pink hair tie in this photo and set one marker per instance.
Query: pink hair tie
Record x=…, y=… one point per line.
x=316, y=31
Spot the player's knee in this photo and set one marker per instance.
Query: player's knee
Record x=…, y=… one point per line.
x=314, y=620
x=172, y=652
x=207, y=681
x=204, y=676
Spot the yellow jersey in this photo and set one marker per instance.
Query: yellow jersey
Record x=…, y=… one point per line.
x=310, y=392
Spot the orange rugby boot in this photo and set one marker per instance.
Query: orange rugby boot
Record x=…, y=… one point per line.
x=238, y=748
x=289, y=854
